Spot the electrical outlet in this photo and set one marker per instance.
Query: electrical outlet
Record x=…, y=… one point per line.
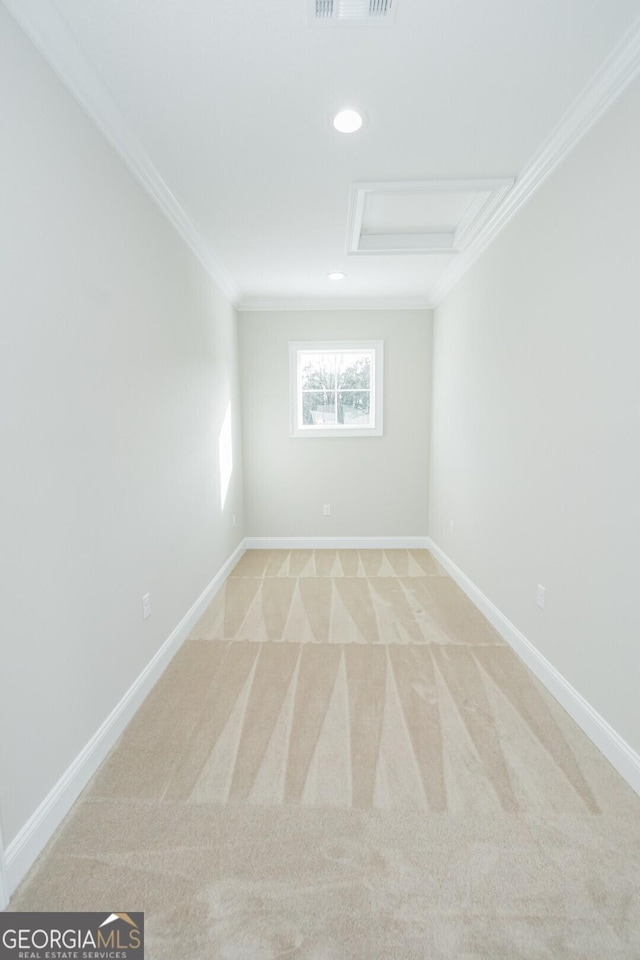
x=327, y=510
x=451, y=526
x=146, y=606
x=540, y=592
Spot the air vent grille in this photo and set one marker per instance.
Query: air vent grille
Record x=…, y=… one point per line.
x=380, y=8
x=324, y=9
x=344, y=12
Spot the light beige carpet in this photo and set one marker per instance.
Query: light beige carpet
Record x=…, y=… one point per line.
x=346, y=762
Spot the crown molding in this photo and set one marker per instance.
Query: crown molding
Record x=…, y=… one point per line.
x=48, y=30
x=267, y=304
x=619, y=69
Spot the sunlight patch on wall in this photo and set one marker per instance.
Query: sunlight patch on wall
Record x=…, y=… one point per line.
x=225, y=453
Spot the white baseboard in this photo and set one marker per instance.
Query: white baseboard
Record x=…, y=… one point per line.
x=617, y=751
x=25, y=848
x=335, y=543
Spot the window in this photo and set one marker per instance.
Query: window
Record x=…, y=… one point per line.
x=336, y=388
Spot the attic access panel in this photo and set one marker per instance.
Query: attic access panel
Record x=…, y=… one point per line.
x=428, y=216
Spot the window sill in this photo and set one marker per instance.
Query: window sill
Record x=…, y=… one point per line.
x=332, y=433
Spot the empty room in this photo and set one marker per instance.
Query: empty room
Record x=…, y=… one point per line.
x=320, y=435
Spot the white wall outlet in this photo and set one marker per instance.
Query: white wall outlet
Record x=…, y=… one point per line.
x=146, y=606
x=540, y=592
x=452, y=526
x=327, y=509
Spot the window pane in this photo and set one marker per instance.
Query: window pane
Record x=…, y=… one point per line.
x=318, y=408
x=318, y=371
x=354, y=408
x=354, y=371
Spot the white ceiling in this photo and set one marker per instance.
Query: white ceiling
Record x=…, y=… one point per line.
x=232, y=103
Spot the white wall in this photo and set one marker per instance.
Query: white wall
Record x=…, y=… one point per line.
x=4, y=888
x=536, y=419
x=375, y=485
x=118, y=362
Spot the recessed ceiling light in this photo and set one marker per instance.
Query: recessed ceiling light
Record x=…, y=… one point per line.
x=336, y=276
x=347, y=121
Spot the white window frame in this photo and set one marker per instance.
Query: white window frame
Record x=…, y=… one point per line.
x=319, y=430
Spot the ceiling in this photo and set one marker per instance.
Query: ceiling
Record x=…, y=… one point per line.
x=229, y=106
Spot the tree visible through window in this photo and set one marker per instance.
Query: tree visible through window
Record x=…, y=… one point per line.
x=337, y=388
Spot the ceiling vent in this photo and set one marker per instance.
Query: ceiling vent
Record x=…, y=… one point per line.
x=334, y=13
